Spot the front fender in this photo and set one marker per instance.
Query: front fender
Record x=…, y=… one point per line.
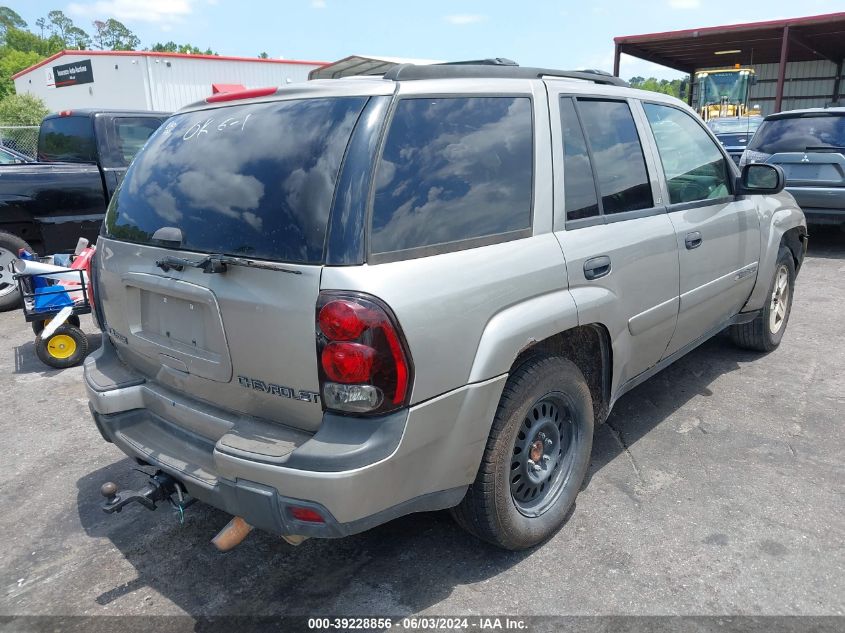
x=778, y=214
x=517, y=327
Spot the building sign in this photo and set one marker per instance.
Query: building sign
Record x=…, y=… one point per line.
x=72, y=74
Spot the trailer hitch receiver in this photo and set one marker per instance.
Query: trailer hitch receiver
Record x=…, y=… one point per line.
x=160, y=487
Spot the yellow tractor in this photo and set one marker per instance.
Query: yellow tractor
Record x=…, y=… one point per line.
x=724, y=92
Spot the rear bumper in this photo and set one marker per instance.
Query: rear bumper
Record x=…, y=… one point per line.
x=356, y=473
x=821, y=205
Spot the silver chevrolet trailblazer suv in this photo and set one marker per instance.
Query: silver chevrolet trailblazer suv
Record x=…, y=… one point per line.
x=334, y=303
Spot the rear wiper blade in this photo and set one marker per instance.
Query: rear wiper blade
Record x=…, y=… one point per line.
x=822, y=148
x=218, y=263
x=224, y=260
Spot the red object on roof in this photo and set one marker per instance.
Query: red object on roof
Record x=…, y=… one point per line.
x=224, y=88
x=242, y=94
x=53, y=58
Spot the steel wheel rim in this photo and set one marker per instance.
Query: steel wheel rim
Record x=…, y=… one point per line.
x=536, y=480
x=7, y=284
x=61, y=346
x=780, y=300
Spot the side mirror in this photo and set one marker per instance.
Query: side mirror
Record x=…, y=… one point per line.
x=761, y=178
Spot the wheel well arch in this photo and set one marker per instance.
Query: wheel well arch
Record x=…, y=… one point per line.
x=589, y=348
x=794, y=239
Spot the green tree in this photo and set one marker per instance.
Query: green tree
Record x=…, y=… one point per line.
x=113, y=35
x=77, y=39
x=173, y=47
x=263, y=55
x=9, y=19
x=664, y=86
x=26, y=42
x=25, y=109
x=11, y=62
x=59, y=24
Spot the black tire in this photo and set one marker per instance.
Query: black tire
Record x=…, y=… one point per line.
x=10, y=298
x=38, y=326
x=492, y=509
x=760, y=335
x=51, y=351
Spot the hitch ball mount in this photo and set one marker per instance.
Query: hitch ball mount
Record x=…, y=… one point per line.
x=160, y=487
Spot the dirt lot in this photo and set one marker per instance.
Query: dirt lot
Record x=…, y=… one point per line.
x=715, y=488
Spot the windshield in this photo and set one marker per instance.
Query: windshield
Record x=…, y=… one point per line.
x=252, y=180
x=729, y=85
x=740, y=125
x=798, y=134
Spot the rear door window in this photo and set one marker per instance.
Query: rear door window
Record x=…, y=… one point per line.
x=800, y=134
x=617, y=155
x=453, y=169
x=254, y=180
x=694, y=166
x=67, y=139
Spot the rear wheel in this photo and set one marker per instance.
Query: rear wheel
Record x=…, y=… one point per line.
x=66, y=347
x=10, y=244
x=536, y=456
x=765, y=332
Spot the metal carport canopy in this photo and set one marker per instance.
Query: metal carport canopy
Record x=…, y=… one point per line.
x=776, y=41
x=363, y=65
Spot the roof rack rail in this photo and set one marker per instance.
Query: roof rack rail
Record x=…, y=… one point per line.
x=490, y=61
x=494, y=68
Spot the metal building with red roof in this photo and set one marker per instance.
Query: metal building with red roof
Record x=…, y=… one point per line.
x=146, y=80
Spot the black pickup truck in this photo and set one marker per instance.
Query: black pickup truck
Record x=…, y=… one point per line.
x=46, y=206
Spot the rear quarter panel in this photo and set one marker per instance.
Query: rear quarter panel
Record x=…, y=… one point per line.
x=467, y=315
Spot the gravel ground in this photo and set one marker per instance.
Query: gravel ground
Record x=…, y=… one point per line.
x=716, y=488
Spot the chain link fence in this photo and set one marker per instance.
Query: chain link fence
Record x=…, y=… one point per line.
x=21, y=138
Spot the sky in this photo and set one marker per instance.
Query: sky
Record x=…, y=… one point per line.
x=545, y=33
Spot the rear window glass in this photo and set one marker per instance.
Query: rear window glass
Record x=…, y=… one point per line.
x=67, y=139
x=799, y=134
x=249, y=180
x=453, y=169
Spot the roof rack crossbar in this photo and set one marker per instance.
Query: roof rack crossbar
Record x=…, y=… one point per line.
x=494, y=68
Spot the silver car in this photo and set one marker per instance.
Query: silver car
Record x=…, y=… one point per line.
x=339, y=302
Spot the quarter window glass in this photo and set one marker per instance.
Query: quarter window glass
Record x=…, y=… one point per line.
x=453, y=169
x=578, y=184
x=617, y=154
x=695, y=168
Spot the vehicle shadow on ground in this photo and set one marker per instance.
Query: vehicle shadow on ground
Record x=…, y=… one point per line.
x=27, y=361
x=648, y=405
x=826, y=242
x=425, y=556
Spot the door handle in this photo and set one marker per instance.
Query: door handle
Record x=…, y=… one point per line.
x=597, y=267
x=692, y=240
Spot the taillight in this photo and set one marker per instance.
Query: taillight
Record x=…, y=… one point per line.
x=364, y=363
